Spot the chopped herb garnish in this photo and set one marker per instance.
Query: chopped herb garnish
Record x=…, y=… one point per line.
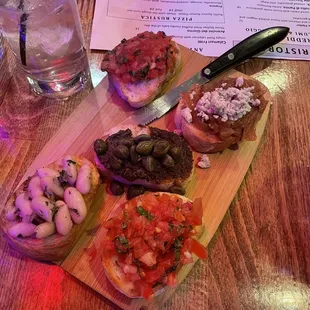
x=137, y=52
x=122, y=59
x=125, y=215
x=124, y=225
x=144, y=71
x=137, y=263
x=177, y=254
x=144, y=213
x=123, y=41
x=178, y=242
x=122, y=240
x=171, y=226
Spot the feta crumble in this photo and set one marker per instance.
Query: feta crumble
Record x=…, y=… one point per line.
x=187, y=114
x=227, y=104
x=239, y=81
x=204, y=162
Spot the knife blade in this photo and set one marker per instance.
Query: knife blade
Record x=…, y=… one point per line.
x=244, y=50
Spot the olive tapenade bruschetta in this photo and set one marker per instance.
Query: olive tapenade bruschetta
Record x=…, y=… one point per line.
x=149, y=240
x=218, y=115
x=140, y=67
x=147, y=156
x=41, y=219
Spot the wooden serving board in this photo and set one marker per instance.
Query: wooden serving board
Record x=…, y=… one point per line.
x=100, y=111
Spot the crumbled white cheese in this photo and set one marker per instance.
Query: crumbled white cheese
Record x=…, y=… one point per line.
x=204, y=162
x=192, y=94
x=239, y=81
x=187, y=114
x=227, y=104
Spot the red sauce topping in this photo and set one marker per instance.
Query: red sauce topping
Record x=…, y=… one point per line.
x=143, y=57
x=152, y=238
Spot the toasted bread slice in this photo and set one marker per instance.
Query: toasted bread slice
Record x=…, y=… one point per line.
x=56, y=246
x=163, y=185
x=141, y=93
x=117, y=276
x=204, y=140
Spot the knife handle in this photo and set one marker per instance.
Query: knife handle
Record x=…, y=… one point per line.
x=247, y=48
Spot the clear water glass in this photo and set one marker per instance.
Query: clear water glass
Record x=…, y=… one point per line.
x=46, y=38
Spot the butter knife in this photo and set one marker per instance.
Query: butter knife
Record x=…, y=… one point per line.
x=244, y=50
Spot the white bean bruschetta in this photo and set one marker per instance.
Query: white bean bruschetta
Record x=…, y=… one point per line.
x=41, y=219
x=218, y=115
x=146, y=156
x=149, y=240
x=140, y=67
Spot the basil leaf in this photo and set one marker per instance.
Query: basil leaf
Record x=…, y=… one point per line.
x=144, y=213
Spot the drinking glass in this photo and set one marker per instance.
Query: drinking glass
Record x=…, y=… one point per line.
x=47, y=40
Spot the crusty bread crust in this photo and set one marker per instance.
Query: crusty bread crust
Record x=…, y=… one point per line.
x=116, y=275
x=142, y=93
x=204, y=142
x=163, y=186
x=56, y=246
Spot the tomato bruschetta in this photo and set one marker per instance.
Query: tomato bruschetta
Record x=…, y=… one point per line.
x=140, y=67
x=149, y=240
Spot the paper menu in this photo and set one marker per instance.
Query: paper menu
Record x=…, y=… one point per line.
x=208, y=27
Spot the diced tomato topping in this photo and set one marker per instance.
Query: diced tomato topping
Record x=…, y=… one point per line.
x=152, y=239
x=199, y=250
x=146, y=289
x=153, y=275
x=172, y=280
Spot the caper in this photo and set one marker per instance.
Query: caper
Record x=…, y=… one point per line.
x=167, y=161
x=145, y=147
x=150, y=163
x=161, y=148
x=115, y=163
x=128, y=142
x=175, y=153
x=116, y=188
x=135, y=190
x=177, y=190
x=100, y=147
x=141, y=138
x=121, y=151
x=134, y=156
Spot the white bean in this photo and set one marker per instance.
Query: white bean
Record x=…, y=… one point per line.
x=34, y=187
x=52, y=185
x=43, y=172
x=76, y=204
x=23, y=203
x=22, y=230
x=70, y=167
x=43, y=207
x=11, y=214
x=83, y=184
x=63, y=219
x=44, y=230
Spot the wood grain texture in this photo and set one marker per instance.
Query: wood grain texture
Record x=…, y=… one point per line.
x=260, y=255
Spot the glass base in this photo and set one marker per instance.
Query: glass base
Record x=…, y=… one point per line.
x=60, y=90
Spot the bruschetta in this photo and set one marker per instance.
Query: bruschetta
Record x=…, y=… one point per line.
x=147, y=156
x=218, y=115
x=142, y=66
x=148, y=241
x=42, y=218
